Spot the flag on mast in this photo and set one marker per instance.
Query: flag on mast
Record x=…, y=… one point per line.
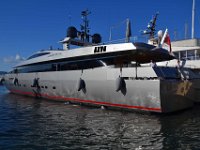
x=168, y=42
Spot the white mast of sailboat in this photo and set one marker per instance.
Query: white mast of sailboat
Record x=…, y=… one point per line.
x=193, y=15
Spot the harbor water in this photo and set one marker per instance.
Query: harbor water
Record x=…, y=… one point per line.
x=34, y=124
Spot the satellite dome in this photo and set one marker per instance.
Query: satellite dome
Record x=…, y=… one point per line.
x=96, y=38
x=72, y=32
x=160, y=33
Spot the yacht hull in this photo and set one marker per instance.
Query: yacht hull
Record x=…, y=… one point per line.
x=100, y=87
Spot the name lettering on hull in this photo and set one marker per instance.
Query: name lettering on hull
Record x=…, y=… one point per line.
x=100, y=49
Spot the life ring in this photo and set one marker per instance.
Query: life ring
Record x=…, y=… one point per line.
x=2, y=80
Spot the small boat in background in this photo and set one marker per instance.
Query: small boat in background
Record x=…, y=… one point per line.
x=187, y=53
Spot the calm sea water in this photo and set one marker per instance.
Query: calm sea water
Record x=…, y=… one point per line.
x=33, y=124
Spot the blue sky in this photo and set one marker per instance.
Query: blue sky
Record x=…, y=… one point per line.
x=27, y=26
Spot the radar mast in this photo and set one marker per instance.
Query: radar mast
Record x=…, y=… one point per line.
x=85, y=26
x=151, y=27
x=82, y=37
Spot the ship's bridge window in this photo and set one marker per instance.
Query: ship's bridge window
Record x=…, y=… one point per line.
x=191, y=54
x=183, y=54
x=197, y=53
x=38, y=55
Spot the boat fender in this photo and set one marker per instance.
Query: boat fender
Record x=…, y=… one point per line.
x=102, y=107
x=36, y=82
x=81, y=84
x=2, y=80
x=119, y=83
x=15, y=81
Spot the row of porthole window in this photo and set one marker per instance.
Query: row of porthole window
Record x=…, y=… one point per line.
x=46, y=87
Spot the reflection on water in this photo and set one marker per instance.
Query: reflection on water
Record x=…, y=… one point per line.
x=29, y=123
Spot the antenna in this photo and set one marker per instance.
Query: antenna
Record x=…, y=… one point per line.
x=186, y=30
x=70, y=19
x=151, y=27
x=175, y=34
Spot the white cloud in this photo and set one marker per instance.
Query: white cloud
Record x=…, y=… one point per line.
x=13, y=59
x=18, y=57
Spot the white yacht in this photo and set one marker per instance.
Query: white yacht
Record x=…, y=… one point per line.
x=108, y=75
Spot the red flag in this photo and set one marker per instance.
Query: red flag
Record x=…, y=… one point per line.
x=168, y=42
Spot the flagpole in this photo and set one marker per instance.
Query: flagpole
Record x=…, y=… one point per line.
x=163, y=38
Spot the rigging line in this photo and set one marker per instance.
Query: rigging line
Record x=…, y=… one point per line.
x=199, y=19
x=119, y=24
x=116, y=26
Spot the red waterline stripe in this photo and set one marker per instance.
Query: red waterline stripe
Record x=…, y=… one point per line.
x=87, y=101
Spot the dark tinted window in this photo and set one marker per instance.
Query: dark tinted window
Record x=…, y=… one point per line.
x=78, y=65
x=38, y=55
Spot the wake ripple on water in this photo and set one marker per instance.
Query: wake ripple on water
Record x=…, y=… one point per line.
x=28, y=123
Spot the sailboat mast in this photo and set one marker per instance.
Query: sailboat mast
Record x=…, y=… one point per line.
x=193, y=15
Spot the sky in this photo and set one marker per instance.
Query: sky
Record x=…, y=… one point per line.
x=27, y=26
